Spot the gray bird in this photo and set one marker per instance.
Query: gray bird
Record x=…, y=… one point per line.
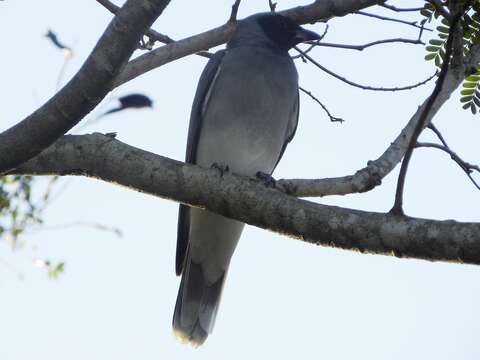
x=244, y=114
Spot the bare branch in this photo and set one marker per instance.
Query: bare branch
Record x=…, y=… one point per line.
x=373, y=43
x=272, y=5
x=465, y=166
x=385, y=18
x=233, y=14
x=364, y=87
x=248, y=200
x=423, y=121
x=84, y=224
x=437, y=132
x=152, y=34
x=332, y=118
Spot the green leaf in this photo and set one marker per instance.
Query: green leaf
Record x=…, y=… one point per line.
x=426, y=13
x=430, y=56
x=432, y=48
x=476, y=100
x=469, y=85
x=442, y=53
x=55, y=271
x=436, y=42
x=466, y=99
x=467, y=92
x=472, y=78
x=443, y=29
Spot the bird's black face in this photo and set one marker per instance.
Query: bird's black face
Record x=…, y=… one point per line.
x=284, y=32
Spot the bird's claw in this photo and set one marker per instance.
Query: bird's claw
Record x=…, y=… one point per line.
x=267, y=179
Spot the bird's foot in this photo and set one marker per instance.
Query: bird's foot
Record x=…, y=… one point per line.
x=267, y=179
x=222, y=168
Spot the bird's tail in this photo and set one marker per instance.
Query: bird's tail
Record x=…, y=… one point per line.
x=197, y=305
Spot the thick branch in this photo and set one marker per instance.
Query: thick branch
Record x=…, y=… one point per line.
x=248, y=200
x=87, y=88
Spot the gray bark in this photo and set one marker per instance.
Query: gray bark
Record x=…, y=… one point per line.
x=248, y=200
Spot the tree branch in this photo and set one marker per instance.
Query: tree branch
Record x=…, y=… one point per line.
x=87, y=88
x=354, y=84
x=371, y=176
x=318, y=11
x=314, y=98
x=465, y=166
x=373, y=43
x=385, y=18
x=248, y=200
x=152, y=34
x=424, y=120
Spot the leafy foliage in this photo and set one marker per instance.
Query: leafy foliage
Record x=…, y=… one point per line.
x=17, y=209
x=429, y=12
x=471, y=92
x=470, y=21
x=436, y=47
x=471, y=30
x=54, y=270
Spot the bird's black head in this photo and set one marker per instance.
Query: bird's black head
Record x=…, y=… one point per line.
x=283, y=31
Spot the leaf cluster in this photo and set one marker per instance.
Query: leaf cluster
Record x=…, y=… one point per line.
x=17, y=208
x=470, y=21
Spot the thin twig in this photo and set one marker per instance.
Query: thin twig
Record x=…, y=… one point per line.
x=89, y=225
x=398, y=204
x=364, y=87
x=364, y=46
x=332, y=118
x=272, y=5
x=233, y=14
x=438, y=133
x=153, y=35
x=422, y=27
x=386, y=18
x=465, y=166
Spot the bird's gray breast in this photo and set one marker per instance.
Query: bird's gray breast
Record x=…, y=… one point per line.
x=247, y=110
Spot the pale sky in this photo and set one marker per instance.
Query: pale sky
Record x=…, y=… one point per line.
x=283, y=298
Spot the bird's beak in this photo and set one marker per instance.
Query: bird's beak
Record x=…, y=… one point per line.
x=303, y=35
